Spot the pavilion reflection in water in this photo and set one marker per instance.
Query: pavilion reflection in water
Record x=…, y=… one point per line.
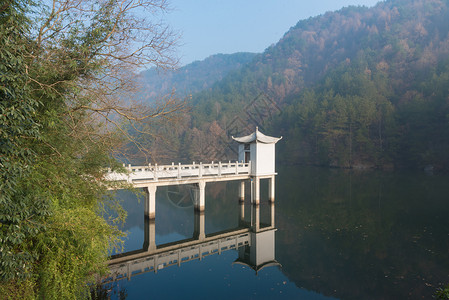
x=254, y=241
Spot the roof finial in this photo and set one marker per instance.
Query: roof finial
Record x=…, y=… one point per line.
x=257, y=128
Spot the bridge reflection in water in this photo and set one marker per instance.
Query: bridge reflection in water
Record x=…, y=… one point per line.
x=254, y=241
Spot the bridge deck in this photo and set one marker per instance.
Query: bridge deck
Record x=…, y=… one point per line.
x=170, y=174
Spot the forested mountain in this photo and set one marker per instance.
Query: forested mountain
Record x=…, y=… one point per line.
x=359, y=87
x=382, y=99
x=191, y=78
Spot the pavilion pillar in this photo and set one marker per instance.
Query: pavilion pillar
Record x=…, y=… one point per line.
x=242, y=213
x=255, y=190
x=271, y=193
x=242, y=191
x=255, y=218
x=272, y=214
x=200, y=200
x=150, y=201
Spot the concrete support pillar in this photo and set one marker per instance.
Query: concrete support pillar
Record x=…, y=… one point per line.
x=272, y=214
x=200, y=201
x=242, y=191
x=199, y=226
x=149, y=243
x=242, y=214
x=255, y=218
x=150, y=201
x=271, y=193
x=255, y=190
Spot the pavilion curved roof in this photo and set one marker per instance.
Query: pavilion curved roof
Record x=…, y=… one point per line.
x=258, y=267
x=257, y=136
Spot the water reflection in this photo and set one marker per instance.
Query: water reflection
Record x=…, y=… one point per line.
x=364, y=235
x=260, y=252
x=254, y=241
x=245, y=230
x=340, y=234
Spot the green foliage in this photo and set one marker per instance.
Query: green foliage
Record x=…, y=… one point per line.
x=442, y=293
x=53, y=154
x=20, y=211
x=72, y=248
x=344, y=119
x=21, y=289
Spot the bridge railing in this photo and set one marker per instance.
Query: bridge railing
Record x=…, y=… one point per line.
x=179, y=171
x=155, y=262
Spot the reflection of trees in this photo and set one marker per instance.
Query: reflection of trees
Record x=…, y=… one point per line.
x=363, y=235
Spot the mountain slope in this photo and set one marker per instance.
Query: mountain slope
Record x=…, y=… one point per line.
x=191, y=78
x=360, y=87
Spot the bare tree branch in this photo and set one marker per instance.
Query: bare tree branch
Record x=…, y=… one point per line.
x=97, y=46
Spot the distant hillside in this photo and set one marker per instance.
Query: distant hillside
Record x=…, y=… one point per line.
x=191, y=78
x=405, y=32
x=359, y=87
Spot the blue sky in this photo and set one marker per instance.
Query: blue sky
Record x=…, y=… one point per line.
x=227, y=26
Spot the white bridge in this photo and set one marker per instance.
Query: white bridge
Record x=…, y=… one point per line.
x=256, y=161
x=139, y=176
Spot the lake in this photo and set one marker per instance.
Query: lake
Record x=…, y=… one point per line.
x=337, y=234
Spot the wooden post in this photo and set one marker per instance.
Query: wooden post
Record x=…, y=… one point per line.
x=155, y=172
x=200, y=170
x=179, y=170
x=219, y=168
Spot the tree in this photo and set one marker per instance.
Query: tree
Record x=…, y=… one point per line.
x=63, y=77
x=17, y=125
x=97, y=46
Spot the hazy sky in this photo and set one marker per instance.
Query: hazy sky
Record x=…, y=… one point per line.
x=228, y=26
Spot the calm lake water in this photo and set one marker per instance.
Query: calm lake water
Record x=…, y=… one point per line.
x=339, y=235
